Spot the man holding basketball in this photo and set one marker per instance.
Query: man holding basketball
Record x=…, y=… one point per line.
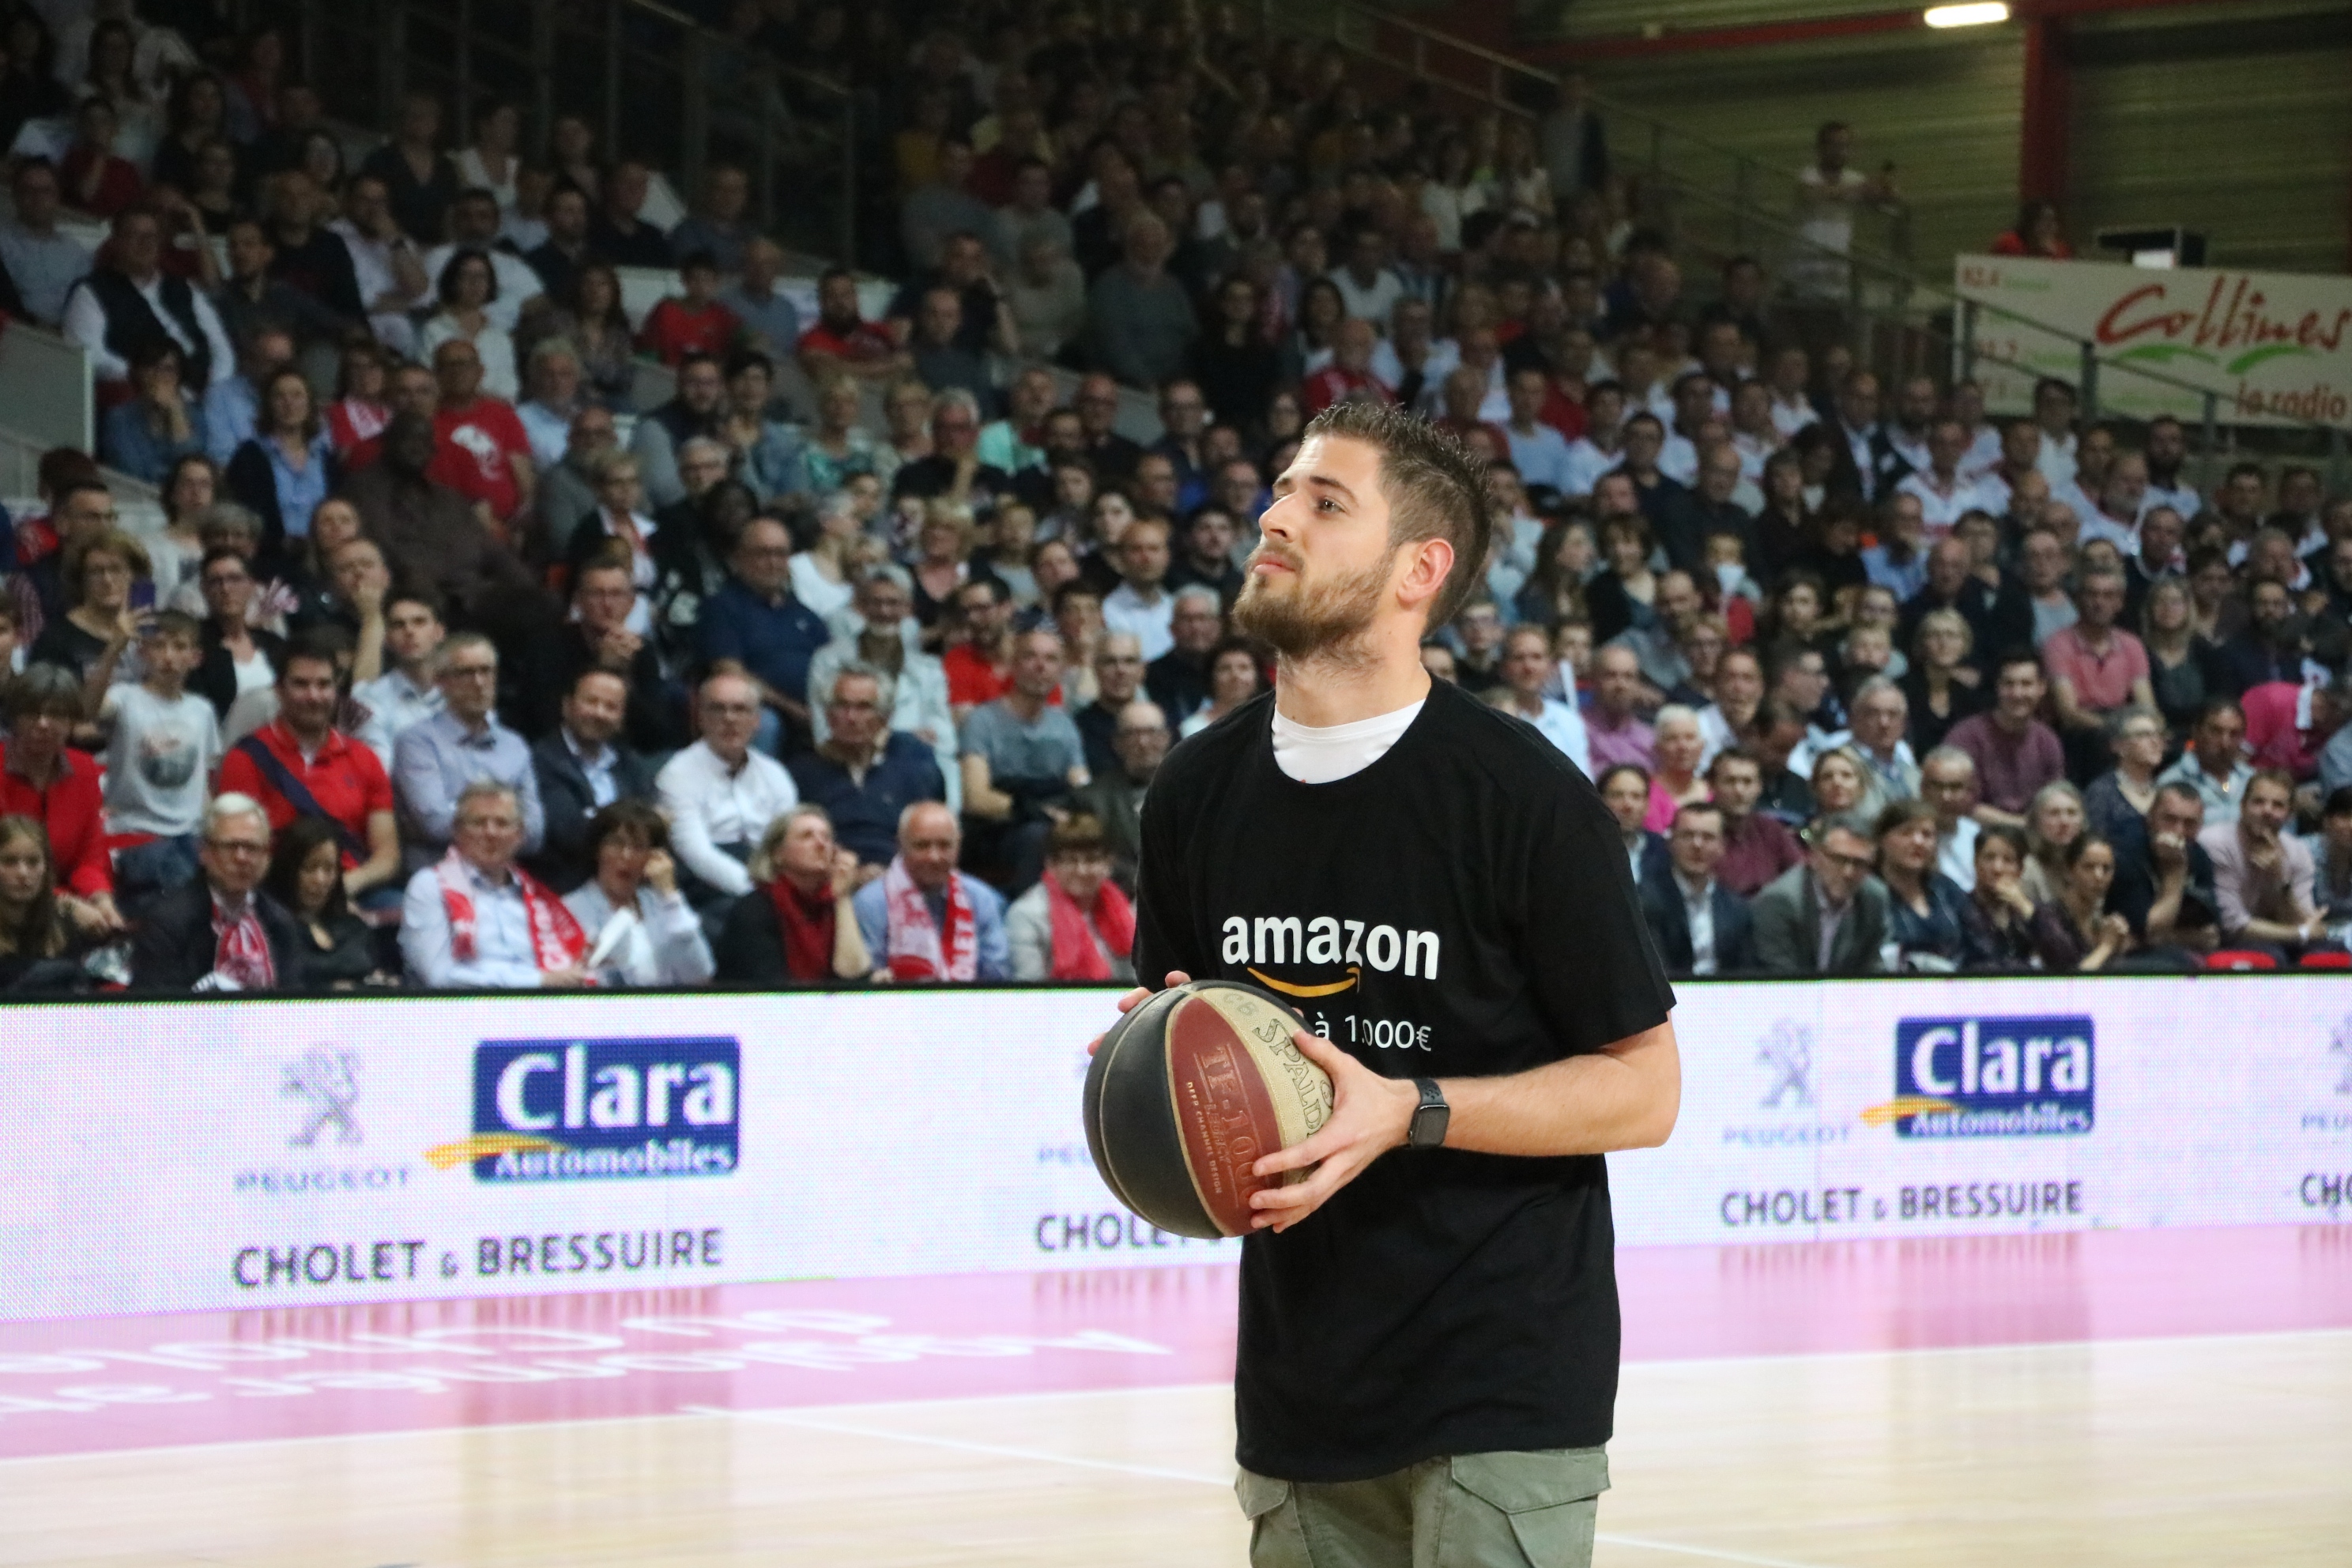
x=1428, y=1331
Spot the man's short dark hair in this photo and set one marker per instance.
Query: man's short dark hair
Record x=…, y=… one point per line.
x=1698, y=808
x=2339, y=801
x=2052, y=384
x=1639, y=772
x=2180, y=790
x=422, y=598
x=2017, y=655
x=1733, y=755
x=1435, y=487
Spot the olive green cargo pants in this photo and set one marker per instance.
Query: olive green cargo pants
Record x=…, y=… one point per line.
x=1471, y=1511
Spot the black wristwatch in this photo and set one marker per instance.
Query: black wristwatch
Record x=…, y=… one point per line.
x=1427, y=1130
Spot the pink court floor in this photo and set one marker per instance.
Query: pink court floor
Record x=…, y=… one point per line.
x=96, y=1384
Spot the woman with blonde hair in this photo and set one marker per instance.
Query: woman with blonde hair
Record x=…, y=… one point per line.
x=796, y=926
x=943, y=559
x=1839, y=781
x=2053, y=819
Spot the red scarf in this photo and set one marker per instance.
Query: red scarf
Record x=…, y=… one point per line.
x=1075, y=954
x=241, y=948
x=556, y=939
x=918, y=949
x=807, y=921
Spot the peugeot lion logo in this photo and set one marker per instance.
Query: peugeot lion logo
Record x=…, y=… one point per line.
x=1787, y=1051
x=2342, y=1046
x=330, y=1080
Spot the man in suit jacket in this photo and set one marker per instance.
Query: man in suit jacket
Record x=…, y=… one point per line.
x=1701, y=926
x=220, y=931
x=1827, y=916
x=583, y=767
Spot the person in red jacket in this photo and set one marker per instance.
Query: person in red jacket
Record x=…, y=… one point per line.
x=691, y=322
x=43, y=778
x=95, y=180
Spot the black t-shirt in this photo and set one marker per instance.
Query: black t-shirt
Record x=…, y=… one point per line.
x=1466, y=893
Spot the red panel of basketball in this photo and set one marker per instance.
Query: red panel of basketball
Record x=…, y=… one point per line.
x=1223, y=1115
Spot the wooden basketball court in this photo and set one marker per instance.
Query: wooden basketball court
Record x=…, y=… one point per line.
x=2171, y=1397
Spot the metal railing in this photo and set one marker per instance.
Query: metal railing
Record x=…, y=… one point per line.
x=649, y=80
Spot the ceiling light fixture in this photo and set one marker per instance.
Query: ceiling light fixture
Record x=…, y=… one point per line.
x=1977, y=14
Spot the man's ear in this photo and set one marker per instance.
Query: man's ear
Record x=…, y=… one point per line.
x=1427, y=564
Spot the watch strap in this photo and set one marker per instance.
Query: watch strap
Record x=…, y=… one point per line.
x=1427, y=1129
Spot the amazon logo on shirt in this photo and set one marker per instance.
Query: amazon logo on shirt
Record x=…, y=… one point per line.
x=1328, y=944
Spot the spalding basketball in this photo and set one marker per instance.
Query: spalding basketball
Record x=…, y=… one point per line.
x=1190, y=1090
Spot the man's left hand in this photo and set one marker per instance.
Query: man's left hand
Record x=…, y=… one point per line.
x=1369, y=1116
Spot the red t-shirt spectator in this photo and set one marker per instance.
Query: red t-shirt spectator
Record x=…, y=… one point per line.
x=859, y=341
x=1563, y=412
x=674, y=329
x=346, y=779
x=476, y=446
x=73, y=809
x=117, y=183
x=972, y=681
x=1331, y=384
x=2277, y=729
x=353, y=423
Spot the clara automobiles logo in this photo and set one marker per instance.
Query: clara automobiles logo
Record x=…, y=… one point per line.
x=327, y=1079
x=1788, y=1054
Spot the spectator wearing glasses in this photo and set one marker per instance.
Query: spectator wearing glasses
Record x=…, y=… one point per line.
x=756, y=626
x=806, y=927
x=865, y=773
x=1701, y=927
x=434, y=761
x=633, y=879
x=720, y=794
x=1827, y=916
x=1076, y=923
x=221, y=932
x=475, y=919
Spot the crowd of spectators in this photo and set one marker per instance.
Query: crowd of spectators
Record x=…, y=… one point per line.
x=473, y=674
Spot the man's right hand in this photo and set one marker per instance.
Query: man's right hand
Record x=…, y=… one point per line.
x=2169, y=850
x=1128, y=1002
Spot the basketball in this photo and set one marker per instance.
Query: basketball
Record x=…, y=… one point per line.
x=1190, y=1090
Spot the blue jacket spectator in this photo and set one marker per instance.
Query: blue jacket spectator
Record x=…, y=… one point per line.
x=865, y=774
x=755, y=622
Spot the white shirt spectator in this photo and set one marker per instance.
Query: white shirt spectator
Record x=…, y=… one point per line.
x=1956, y=857
x=519, y=283
x=1374, y=302
x=1793, y=414
x=85, y=323
x=1540, y=454
x=550, y=433
x=2182, y=498
x=1149, y=621
x=371, y=266
x=157, y=760
x=1563, y=726
x=1586, y=464
x=2057, y=460
x=663, y=944
x=497, y=349
x=1678, y=459
x=1444, y=354
x=393, y=703
x=504, y=956
x=710, y=804
x=1940, y=510
x=43, y=266
x=1698, y=913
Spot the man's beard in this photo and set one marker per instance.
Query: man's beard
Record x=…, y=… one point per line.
x=1312, y=620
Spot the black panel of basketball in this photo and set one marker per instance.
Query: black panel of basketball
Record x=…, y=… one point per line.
x=1188, y=1092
